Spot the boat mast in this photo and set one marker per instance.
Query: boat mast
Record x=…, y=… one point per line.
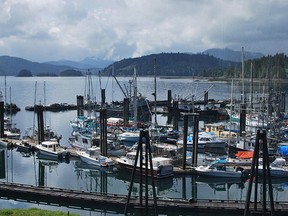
x=113, y=75
x=155, y=90
x=251, y=87
x=135, y=98
x=231, y=112
x=34, y=116
x=5, y=93
x=243, y=93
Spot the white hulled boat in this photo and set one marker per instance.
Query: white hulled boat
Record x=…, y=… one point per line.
x=52, y=148
x=93, y=157
x=278, y=168
x=219, y=169
x=162, y=166
x=129, y=136
x=205, y=140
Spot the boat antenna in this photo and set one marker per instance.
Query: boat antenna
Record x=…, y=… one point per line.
x=118, y=83
x=155, y=96
x=5, y=93
x=135, y=98
x=35, y=96
x=113, y=74
x=243, y=90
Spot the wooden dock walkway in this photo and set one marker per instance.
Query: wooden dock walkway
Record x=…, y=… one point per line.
x=116, y=203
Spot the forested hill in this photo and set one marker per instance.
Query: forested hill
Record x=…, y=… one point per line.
x=170, y=64
x=274, y=67
x=11, y=66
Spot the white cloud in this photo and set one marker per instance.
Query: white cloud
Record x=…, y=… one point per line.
x=71, y=29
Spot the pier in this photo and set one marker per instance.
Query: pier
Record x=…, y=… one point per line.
x=116, y=202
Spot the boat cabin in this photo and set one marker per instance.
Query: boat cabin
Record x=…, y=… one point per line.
x=51, y=145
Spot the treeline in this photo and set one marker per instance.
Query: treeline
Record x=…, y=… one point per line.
x=183, y=64
x=69, y=72
x=273, y=67
x=170, y=64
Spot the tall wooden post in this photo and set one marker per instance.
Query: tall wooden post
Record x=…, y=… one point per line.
x=143, y=169
x=195, y=138
x=242, y=119
x=41, y=174
x=1, y=119
x=185, y=129
x=126, y=111
x=103, y=132
x=169, y=98
x=80, y=105
x=175, y=114
x=103, y=97
x=206, y=98
x=283, y=102
x=185, y=134
x=2, y=164
x=261, y=141
x=40, y=121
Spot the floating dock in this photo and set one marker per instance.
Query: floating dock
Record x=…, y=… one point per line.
x=117, y=203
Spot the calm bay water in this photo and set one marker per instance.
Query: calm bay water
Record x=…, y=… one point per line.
x=20, y=168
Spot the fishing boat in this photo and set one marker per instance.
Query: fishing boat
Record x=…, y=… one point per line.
x=162, y=166
x=93, y=157
x=206, y=140
x=128, y=136
x=219, y=169
x=12, y=134
x=222, y=132
x=83, y=140
x=51, y=148
x=84, y=123
x=212, y=110
x=10, y=130
x=278, y=168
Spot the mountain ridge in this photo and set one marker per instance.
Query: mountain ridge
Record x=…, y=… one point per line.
x=175, y=64
x=232, y=55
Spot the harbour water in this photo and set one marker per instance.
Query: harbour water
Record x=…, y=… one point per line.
x=23, y=168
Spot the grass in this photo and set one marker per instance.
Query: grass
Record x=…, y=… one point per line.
x=34, y=212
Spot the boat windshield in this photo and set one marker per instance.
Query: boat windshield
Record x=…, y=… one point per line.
x=218, y=163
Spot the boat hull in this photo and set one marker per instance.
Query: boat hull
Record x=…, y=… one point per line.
x=163, y=171
x=208, y=172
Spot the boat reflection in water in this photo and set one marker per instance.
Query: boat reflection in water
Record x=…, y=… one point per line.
x=81, y=165
x=162, y=186
x=221, y=184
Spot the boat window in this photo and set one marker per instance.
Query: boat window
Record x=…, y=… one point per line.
x=221, y=168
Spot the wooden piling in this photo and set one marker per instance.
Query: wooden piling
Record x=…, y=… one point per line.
x=103, y=97
x=195, y=138
x=242, y=119
x=40, y=121
x=126, y=111
x=261, y=139
x=80, y=105
x=143, y=172
x=1, y=119
x=103, y=131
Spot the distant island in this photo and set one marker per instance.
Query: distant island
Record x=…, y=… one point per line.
x=24, y=73
x=66, y=73
x=71, y=72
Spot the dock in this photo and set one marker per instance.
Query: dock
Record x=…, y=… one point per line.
x=116, y=202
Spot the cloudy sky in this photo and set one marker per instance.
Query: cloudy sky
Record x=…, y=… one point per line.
x=44, y=30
